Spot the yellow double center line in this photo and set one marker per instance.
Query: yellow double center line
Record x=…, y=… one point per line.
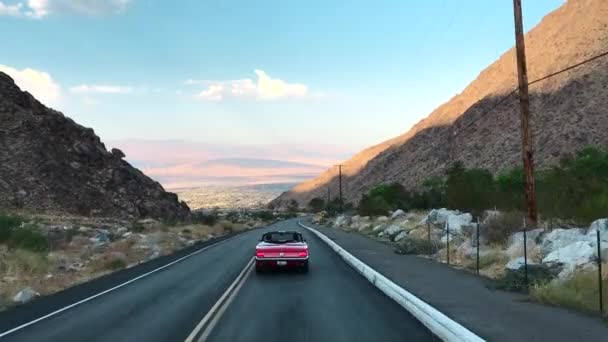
x=213, y=316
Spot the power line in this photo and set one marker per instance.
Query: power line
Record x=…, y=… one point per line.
x=514, y=91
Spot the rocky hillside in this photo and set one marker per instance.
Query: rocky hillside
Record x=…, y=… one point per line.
x=50, y=163
x=569, y=111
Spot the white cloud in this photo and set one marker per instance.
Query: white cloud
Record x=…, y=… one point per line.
x=41, y=8
x=101, y=89
x=265, y=88
x=214, y=93
x=10, y=10
x=269, y=88
x=38, y=83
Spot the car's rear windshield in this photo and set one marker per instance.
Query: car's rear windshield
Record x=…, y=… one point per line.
x=282, y=237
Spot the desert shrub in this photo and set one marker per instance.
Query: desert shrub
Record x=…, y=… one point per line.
x=233, y=216
x=498, y=228
x=7, y=224
x=417, y=246
x=28, y=238
x=373, y=206
x=264, y=215
x=293, y=206
x=491, y=258
x=509, y=185
x=538, y=275
x=226, y=225
x=208, y=219
x=137, y=227
x=23, y=262
x=581, y=292
x=316, y=205
x=469, y=190
x=115, y=264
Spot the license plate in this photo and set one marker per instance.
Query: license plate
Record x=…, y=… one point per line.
x=281, y=263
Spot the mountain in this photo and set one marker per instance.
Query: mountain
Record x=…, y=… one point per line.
x=50, y=163
x=475, y=127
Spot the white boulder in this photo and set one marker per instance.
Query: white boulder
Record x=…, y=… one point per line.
x=560, y=238
x=364, y=226
x=454, y=218
x=393, y=230
x=382, y=219
x=402, y=235
x=518, y=263
x=25, y=295
x=378, y=228
x=602, y=226
x=571, y=257
x=397, y=213
x=516, y=242
x=342, y=221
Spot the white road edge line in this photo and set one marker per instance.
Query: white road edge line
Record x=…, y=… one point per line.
x=236, y=283
x=438, y=323
x=111, y=289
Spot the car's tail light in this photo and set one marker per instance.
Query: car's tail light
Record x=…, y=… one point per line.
x=303, y=253
x=259, y=254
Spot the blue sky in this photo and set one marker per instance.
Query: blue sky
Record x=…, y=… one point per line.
x=353, y=73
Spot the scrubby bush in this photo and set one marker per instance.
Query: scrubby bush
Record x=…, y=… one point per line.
x=581, y=292
x=137, y=227
x=575, y=190
x=492, y=257
x=28, y=238
x=233, y=216
x=514, y=280
x=115, y=264
x=373, y=206
x=208, y=219
x=23, y=262
x=498, y=228
x=416, y=246
x=264, y=215
x=316, y=205
x=226, y=225
x=469, y=190
x=7, y=224
x=293, y=206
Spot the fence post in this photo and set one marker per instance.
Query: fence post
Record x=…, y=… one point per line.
x=448, y=236
x=599, y=274
x=477, y=245
x=525, y=255
x=428, y=227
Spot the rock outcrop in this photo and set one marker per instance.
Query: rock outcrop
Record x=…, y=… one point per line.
x=50, y=163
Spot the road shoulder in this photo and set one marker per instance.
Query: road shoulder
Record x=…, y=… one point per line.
x=493, y=315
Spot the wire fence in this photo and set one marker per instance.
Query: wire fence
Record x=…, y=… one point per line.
x=441, y=234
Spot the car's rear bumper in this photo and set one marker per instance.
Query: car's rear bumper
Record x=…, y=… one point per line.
x=278, y=262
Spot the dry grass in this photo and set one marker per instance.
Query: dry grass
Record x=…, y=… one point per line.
x=49, y=274
x=19, y=268
x=581, y=292
x=491, y=263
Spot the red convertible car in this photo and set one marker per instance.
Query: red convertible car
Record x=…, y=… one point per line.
x=281, y=249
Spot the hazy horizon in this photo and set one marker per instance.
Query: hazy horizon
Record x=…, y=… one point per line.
x=310, y=84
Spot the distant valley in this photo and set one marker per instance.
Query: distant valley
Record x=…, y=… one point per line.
x=231, y=196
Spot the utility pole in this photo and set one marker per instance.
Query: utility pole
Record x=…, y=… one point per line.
x=524, y=104
x=328, y=197
x=340, y=184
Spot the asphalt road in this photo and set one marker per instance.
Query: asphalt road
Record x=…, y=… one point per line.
x=331, y=303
